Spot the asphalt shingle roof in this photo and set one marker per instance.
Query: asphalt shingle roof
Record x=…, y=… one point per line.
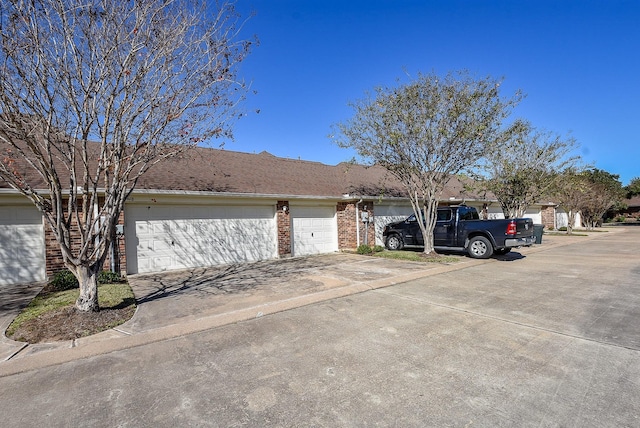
x=215, y=170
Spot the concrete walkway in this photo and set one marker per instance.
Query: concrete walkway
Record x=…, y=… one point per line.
x=174, y=304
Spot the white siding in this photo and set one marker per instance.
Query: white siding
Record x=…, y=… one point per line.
x=562, y=219
x=495, y=212
x=385, y=214
x=534, y=214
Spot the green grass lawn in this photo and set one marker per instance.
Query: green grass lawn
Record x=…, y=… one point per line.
x=416, y=256
x=110, y=296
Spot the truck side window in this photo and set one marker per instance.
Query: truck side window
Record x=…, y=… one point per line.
x=469, y=215
x=444, y=215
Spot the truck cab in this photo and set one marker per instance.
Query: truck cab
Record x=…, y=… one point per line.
x=460, y=228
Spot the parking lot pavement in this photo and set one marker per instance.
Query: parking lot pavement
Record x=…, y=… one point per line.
x=171, y=304
x=544, y=340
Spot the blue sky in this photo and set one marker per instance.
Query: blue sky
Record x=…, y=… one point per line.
x=577, y=61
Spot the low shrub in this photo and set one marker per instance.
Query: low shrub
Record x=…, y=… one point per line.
x=108, y=277
x=378, y=248
x=63, y=280
x=562, y=229
x=364, y=249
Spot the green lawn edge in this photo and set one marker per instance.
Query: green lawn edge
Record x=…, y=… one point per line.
x=114, y=295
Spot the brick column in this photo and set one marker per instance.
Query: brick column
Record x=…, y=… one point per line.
x=53, y=254
x=347, y=224
x=548, y=215
x=346, y=212
x=284, y=228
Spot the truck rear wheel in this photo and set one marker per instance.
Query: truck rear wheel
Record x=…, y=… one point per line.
x=394, y=242
x=480, y=248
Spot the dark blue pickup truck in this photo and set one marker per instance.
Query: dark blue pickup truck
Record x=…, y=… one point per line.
x=460, y=228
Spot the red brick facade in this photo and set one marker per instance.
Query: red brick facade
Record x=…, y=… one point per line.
x=548, y=215
x=53, y=254
x=284, y=228
x=348, y=226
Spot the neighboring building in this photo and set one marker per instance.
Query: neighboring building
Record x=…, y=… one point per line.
x=632, y=209
x=214, y=207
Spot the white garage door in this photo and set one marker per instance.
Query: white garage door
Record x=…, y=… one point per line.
x=385, y=214
x=177, y=237
x=534, y=214
x=22, y=252
x=314, y=230
x=495, y=213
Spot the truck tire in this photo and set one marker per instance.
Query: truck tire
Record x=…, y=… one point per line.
x=480, y=248
x=394, y=242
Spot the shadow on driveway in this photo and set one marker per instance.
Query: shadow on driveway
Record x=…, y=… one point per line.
x=171, y=297
x=13, y=298
x=230, y=279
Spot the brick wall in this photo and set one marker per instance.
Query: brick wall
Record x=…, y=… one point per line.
x=55, y=263
x=347, y=225
x=121, y=255
x=345, y=212
x=548, y=215
x=284, y=228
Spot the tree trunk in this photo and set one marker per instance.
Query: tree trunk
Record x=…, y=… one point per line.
x=88, y=280
x=428, y=242
x=571, y=220
x=430, y=214
x=513, y=210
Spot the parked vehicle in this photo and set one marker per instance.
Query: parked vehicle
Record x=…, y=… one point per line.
x=460, y=228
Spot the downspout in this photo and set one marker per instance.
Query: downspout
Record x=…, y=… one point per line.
x=357, y=222
x=112, y=255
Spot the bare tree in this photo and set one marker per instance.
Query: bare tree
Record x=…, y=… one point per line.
x=604, y=190
x=521, y=170
x=569, y=191
x=590, y=191
x=426, y=131
x=93, y=93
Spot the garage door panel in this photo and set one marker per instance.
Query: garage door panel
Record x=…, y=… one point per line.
x=22, y=251
x=184, y=237
x=314, y=230
x=385, y=214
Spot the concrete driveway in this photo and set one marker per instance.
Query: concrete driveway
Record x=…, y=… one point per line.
x=171, y=304
x=548, y=339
